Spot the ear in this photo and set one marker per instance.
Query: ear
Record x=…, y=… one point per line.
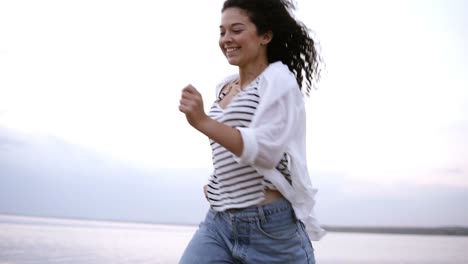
x=267, y=37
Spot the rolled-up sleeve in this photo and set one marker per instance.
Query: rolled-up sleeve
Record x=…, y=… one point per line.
x=265, y=143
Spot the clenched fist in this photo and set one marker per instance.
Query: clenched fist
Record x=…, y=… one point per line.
x=191, y=104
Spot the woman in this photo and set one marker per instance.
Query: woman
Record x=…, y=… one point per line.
x=260, y=195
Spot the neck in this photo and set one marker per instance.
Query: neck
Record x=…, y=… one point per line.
x=248, y=73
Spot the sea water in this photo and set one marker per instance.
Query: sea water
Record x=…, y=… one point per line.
x=28, y=240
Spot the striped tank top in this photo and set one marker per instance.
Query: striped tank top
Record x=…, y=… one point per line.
x=233, y=185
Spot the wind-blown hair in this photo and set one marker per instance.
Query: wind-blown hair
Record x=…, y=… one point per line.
x=291, y=43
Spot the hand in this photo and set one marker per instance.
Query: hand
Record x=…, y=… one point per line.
x=191, y=104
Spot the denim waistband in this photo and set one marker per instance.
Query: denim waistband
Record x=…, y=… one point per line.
x=256, y=211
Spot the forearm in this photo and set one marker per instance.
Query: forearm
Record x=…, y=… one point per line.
x=228, y=137
x=191, y=104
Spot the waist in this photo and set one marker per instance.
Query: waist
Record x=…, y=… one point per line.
x=271, y=196
x=281, y=206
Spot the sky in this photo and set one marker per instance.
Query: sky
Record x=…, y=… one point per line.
x=391, y=109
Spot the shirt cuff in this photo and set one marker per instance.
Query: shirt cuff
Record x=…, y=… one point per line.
x=250, y=146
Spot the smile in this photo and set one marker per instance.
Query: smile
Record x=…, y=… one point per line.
x=231, y=49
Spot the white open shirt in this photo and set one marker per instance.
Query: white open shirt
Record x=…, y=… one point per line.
x=279, y=126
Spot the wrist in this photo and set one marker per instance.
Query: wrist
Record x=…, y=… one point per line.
x=203, y=124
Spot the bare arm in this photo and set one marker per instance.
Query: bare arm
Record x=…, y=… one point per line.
x=191, y=104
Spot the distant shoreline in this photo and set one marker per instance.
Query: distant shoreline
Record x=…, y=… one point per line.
x=440, y=230
x=446, y=231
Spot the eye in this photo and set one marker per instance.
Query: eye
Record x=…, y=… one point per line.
x=222, y=33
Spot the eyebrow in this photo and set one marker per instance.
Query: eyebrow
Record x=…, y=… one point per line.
x=233, y=24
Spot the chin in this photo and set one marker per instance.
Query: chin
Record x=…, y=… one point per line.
x=233, y=62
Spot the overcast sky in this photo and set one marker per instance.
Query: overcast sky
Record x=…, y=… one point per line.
x=392, y=106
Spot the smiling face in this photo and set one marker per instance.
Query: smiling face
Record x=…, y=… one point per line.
x=239, y=40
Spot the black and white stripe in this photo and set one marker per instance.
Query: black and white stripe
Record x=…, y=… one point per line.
x=233, y=185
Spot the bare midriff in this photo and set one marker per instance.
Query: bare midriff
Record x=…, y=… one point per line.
x=270, y=195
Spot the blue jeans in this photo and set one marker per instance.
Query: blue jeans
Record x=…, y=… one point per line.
x=258, y=234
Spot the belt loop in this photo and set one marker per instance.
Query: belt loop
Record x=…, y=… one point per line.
x=261, y=214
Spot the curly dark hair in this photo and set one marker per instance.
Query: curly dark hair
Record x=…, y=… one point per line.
x=291, y=43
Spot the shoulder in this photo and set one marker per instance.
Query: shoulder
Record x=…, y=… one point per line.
x=278, y=70
x=278, y=80
x=225, y=81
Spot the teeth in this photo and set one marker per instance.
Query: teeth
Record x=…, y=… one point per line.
x=231, y=49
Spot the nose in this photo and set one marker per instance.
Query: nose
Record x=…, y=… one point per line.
x=226, y=38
